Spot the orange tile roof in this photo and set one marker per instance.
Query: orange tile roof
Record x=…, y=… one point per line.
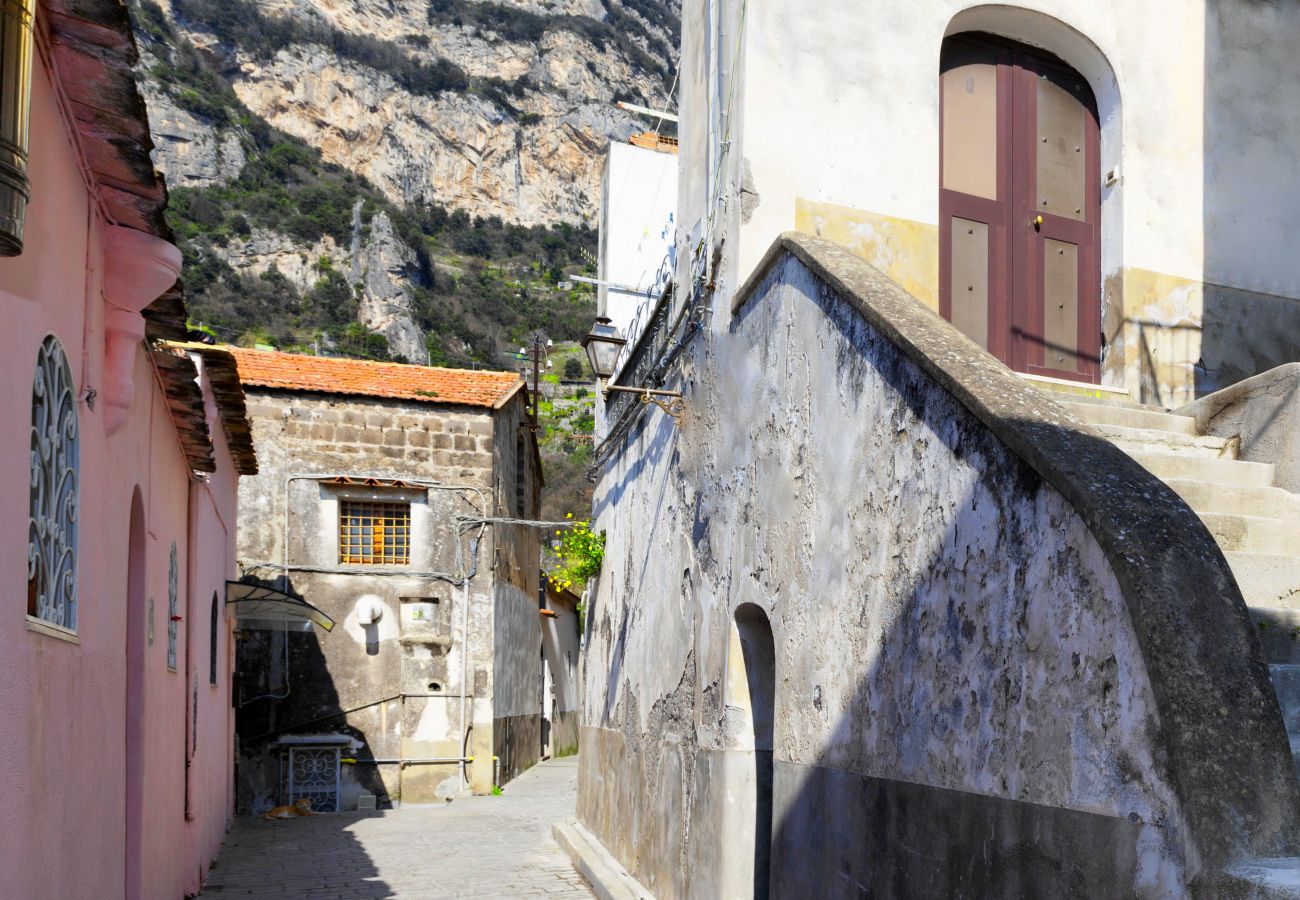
x=330, y=375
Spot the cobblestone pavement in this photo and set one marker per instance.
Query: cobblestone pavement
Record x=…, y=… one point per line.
x=474, y=847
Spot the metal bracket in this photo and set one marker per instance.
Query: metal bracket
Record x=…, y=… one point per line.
x=673, y=404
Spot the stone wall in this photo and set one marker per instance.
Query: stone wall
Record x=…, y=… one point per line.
x=395, y=686
x=1007, y=661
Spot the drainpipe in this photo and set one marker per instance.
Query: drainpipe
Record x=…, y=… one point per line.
x=191, y=589
x=464, y=667
x=464, y=644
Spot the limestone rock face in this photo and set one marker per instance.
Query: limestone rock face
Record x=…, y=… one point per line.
x=264, y=250
x=384, y=268
x=535, y=163
x=524, y=141
x=378, y=265
x=188, y=150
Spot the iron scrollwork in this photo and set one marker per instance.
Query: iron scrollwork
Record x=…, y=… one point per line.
x=52, y=519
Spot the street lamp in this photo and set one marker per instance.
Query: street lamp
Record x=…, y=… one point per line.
x=603, y=344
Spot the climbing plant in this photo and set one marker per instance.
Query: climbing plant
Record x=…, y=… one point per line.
x=580, y=552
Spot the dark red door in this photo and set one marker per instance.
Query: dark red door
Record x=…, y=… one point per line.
x=1019, y=207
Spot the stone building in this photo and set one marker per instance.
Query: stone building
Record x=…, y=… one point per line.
x=952, y=580
x=374, y=504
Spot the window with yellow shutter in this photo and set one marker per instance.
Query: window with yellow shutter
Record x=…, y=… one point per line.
x=373, y=533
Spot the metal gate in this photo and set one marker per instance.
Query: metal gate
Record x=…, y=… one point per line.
x=314, y=773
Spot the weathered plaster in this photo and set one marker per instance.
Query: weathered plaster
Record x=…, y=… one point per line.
x=976, y=605
x=906, y=251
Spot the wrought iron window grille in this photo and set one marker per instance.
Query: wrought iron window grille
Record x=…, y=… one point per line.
x=54, y=495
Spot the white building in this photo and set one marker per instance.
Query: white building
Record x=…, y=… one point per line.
x=637, y=227
x=881, y=616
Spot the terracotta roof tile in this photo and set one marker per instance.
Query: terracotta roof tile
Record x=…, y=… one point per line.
x=330, y=375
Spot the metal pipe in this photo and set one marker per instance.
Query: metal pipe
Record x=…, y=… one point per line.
x=464, y=669
x=404, y=762
x=16, y=44
x=618, y=388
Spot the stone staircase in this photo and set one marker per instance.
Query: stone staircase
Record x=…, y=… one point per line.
x=1257, y=525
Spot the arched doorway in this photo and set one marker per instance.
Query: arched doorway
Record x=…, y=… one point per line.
x=755, y=695
x=1020, y=206
x=136, y=638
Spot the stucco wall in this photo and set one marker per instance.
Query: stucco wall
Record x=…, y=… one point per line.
x=834, y=131
x=963, y=680
x=400, y=680
x=63, y=772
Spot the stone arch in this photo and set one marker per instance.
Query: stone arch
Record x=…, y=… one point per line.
x=751, y=707
x=1074, y=47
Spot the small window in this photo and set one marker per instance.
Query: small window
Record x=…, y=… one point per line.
x=372, y=533
x=212, y=641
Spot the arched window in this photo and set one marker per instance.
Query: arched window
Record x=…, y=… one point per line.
x=212, y=642
x=52, y=521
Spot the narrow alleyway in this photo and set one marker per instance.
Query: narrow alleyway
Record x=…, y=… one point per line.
x=474, y=847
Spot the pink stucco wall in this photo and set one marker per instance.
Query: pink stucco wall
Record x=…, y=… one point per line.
x=62, y=770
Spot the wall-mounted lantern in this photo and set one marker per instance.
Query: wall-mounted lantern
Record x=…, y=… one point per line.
x=15, y=106
x=603, y=344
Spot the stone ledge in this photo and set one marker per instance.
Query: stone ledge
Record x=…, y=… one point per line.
x=608, y=879
x=1227, y=752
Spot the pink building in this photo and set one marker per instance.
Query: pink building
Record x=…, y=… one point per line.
x=120, y=455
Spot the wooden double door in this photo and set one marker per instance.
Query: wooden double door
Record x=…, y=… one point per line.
x=1020, y=207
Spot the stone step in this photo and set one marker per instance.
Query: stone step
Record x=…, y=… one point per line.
x=1274, y=878
x=1253, y=534
x=1198, y=468
x=1149, y=439
x=1239, y=500
x=1128, y=417
x=1267, y=581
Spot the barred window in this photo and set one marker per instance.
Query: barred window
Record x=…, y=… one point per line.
x=372, y=533
x=55, y=477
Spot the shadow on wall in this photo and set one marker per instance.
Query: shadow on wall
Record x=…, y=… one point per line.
x=284, y=687
x=651, y=439
x=987, y=731
x=291, y=856
x=1251, y=228
x=1018, y=693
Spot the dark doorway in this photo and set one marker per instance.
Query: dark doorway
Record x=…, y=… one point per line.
x=136, y=643
x=760, y=676
x=1020, y=206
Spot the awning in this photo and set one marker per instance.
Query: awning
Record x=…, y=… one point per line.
x=258, y=606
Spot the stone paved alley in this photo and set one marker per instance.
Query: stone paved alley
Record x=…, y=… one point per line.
x=473, y=847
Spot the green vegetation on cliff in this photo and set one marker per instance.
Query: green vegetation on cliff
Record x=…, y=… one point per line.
x=477, y=284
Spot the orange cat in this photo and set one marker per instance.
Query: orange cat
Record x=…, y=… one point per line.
x=299, y=807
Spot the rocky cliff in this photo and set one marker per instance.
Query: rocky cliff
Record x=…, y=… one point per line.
x=447, y=136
